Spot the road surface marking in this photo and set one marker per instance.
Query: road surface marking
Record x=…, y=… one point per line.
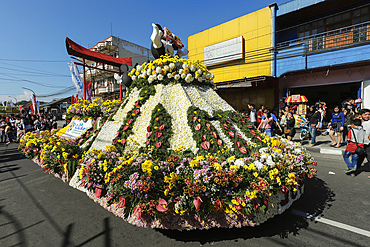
x=332, y=223
x=330, y=151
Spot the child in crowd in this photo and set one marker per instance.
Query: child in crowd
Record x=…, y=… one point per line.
x=355, y=134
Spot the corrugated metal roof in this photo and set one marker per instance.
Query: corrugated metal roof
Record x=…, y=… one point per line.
x=295, y=5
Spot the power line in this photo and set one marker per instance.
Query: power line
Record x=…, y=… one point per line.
x=33, y=82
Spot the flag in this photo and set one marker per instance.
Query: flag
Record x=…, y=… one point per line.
x=76, y=98
x=89, y=91
x=33, y=99
x=76, y=78
x=72, y=100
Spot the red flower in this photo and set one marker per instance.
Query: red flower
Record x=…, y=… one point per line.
x=148, y=134
x=219, y=142
x=225, y=126
x=122, y=202
x=162, y=205
x=243, y=150
x=206, y=145
x=208, y=126
x=259, y=138
x=239, y=206
x=123, y=141
x=237, y=144
x=266, y=202
x=130, y=121
x=158, y=144
x=203, y=137
x=214, y=135
x=239, y=134
x=114, y=142
x=198, y=127
x=218, y=204
x=194, y=119
x=136, y=111
x=231, y=134
x=158, y=134
x=161, y=127
x=197, y=202
x=253, y=133
x=125, y=128
x=147, y=142
x=148, y=128
x=98, y=191
x=138, y=212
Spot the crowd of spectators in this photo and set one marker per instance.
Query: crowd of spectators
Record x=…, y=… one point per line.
x=346, y=124
x=13, y=127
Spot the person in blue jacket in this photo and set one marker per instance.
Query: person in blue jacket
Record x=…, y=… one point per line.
x=336, y=127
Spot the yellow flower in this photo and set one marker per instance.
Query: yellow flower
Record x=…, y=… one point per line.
x=231, y=159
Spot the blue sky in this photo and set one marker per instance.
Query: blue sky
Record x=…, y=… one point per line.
x=32, y=43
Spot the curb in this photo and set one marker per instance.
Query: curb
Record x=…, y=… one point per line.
x=325, y=150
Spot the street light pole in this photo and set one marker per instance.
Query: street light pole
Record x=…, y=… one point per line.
x=14, y=98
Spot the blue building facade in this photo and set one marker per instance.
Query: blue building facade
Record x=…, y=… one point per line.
x=322, y=50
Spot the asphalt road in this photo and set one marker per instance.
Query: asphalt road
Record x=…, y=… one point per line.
x=37, y=209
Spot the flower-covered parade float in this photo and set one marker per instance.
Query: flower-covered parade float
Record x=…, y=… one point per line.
x=174, y=154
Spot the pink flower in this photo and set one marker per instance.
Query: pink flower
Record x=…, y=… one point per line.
x=158, y=134
x=158, y=144
x=206, y=145
x=98, y=191
x=161, y=127
x=162, y=205
x=198, y=127
x=138, y=212
x=194, y=119
x=197, y=202
x=125, y=128
x=203, y=137
x=130, y=121
x=122, y=202
x=238, y=144
x=123, y=141
x=219, y=142
x=214, y=135
x=231, y=134
x=148, y=134
x=243, y=150
x=208, y=126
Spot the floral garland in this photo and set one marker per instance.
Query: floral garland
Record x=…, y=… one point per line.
x=158, y=133
x=168, y=69
x=126, y=129
x=96, y=108
x=198, y=186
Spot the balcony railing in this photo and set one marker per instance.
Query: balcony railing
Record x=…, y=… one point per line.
x=338, y=38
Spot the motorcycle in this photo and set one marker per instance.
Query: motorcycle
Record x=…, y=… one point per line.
x=304, y=127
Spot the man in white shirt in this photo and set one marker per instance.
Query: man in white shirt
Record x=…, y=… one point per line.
x=252, y=114
x=365, y=116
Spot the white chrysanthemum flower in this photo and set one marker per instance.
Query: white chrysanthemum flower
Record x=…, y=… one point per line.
x=200, y=72
x=258, y=165
x=166, y=68
x=188, y=78
x=177, y=77
x=183, y=76
x=200, y=79
x=149, y=72
x=208, y=76
x=193, y=68
x=169, y=75
x=160, y=77
x=269, y=161
x=180, y=71
x=239, y=162
x=263, y=150
x=172, y=65
x=185, y=65
x=134, y=77
x=138, y=68
x=158, y=70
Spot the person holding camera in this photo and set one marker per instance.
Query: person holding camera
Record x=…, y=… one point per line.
x=357, y=138
x=336, y=127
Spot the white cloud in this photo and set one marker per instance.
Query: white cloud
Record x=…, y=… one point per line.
x=25, y=96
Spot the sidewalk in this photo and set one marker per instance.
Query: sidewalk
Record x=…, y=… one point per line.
x=322, y=145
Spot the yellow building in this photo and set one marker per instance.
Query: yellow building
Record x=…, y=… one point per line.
x=239, y=54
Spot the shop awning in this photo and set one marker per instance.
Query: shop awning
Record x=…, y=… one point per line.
x=77, y=50
x=296, y=98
